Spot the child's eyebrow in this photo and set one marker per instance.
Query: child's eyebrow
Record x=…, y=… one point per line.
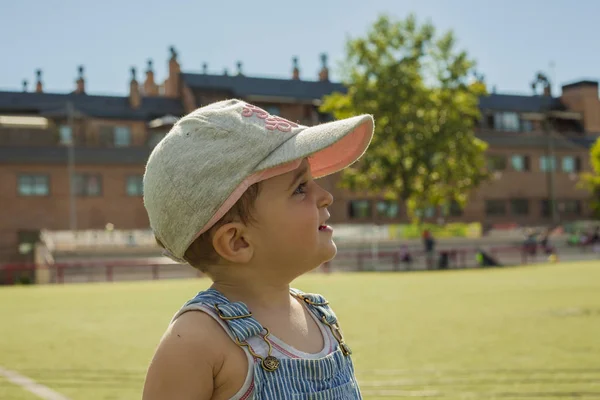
x=299, y=173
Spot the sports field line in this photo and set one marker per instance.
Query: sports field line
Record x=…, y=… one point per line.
x=41, y=391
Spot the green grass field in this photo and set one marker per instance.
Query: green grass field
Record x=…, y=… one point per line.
x=518, y=333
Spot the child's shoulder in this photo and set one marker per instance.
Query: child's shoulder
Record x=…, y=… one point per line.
x=196, y=331
x=185, y=359
x=190, y=352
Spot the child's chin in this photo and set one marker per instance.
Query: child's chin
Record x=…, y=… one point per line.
x=330, y=252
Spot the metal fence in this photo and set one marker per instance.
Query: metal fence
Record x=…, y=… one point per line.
x=349, y=260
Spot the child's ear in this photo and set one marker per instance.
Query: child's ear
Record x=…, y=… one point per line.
x=230, y=243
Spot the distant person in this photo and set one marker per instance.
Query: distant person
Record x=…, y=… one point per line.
x=545, y=243
x=429, y=244
x=231, y=190
x=405, y=256
x=575, y=238
x=595, y=240
x=530, y=244
x=444, y=260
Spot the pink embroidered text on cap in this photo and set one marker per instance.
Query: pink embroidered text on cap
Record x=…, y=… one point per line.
x=271, y=122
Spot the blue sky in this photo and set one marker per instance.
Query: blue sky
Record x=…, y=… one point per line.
x=510, y=40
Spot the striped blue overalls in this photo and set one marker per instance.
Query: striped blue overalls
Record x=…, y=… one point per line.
x=277, y=373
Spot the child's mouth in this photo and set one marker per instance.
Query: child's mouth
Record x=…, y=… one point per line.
x=325, y=228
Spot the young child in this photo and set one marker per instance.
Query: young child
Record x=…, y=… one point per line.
x=231, y=191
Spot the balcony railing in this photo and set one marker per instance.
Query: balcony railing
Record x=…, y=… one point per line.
x=10, y=136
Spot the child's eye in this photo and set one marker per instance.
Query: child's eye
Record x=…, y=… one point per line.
x=301, y=189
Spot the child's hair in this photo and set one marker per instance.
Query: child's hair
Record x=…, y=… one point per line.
x=201, y=253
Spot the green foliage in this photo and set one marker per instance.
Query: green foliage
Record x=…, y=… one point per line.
x=591, y=181
x=425, y=106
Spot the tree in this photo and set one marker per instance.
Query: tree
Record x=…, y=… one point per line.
x=591, y=181
x=425, y=102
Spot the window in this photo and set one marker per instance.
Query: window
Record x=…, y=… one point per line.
x=495, y=207
x=117, y=136
x=520, y=163
x=89, y=185
x=568, y=164
x=506, y=121
x=65, y=133
x=519, y=206
x=496, y=163
x=526, y=125
x=359, y=208
x=453, y=209
x=547, y=163
x=122, y=136
x=427, y=212
x=546, y=209
x=273, y=110
x=135, y=185
x=33, y=185
x=105, y=135
x=570, y=207
x=387, y=209
x=571, y=164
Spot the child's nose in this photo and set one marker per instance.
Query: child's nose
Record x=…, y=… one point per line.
x=326, y=199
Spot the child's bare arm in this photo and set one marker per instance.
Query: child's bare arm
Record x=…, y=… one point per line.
x=184, y=363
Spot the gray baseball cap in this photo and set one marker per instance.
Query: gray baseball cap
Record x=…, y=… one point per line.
x=202, y=167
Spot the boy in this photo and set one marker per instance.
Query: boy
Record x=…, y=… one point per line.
x=230, y=190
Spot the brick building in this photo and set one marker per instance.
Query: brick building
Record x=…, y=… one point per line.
x=112, y=137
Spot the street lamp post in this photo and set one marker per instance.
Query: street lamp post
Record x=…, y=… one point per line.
x=552, y=165
x=71, y=169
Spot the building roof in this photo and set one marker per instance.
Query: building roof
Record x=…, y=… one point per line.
x=110, y=107
x=83, y=155
x=519, y=103
x=243, y=86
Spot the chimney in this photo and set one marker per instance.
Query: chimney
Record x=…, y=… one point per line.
x=150, y=87
x=172, y=82
x=239, y=68
x=205, y=68
x=135, y=99
x=25, y=83
x=547, y=90
x=39, y=88
x=296, y=70
x=80, y=81
x=324, y=73
x=582, y=97
x=225, y=72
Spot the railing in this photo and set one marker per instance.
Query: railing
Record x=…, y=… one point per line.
x=28, y=137
x=385, y=260
x=95, y=271
x=389, y=260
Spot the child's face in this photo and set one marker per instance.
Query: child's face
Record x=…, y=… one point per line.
x=291, y=210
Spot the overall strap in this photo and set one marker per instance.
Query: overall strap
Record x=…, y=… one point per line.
x=236, y=315
x=240, y=322
x=319, y=306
